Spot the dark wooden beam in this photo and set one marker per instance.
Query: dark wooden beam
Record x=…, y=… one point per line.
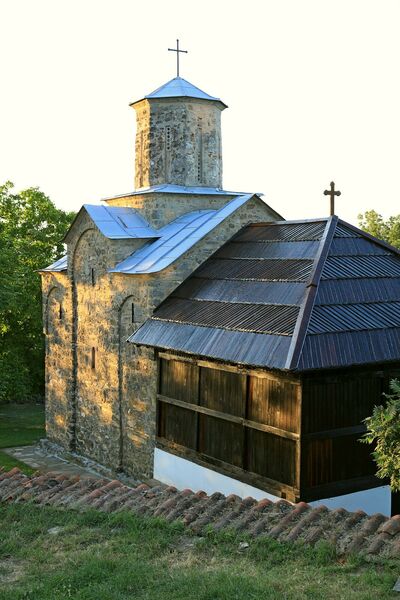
x=209, y=364
x=270, y=486
x=231, y=418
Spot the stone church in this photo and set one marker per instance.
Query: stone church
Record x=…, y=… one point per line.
x=195, y=336
x=123, y=259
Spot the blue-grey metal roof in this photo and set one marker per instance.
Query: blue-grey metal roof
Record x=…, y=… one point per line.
x=118, y=222
x=180, y=88
x=176, y=238
x=292, y=295
x=171, y=188
x=57, y=266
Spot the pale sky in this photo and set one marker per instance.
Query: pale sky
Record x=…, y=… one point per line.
x=312, y=87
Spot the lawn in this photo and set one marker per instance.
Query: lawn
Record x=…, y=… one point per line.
x=20, y=425
x=53, y=554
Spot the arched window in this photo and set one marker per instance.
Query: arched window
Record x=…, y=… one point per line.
x=93, y=358
x=132, y=313
x=60, y=311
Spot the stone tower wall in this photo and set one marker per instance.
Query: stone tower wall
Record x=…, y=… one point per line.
x=178, y=140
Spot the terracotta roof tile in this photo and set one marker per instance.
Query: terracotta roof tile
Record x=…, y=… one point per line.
x=350, y=532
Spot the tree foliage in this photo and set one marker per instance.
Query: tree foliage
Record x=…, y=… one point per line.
x=389, y=230
x=31, y=230
x=383, y=430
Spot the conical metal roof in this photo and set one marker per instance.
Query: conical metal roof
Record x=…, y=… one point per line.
x=180, y=88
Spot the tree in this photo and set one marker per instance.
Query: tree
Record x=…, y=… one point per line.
x=383, y=430
x=31, y=230
x=389, y=230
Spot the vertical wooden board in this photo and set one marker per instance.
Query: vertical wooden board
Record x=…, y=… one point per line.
x=318, y=459
x=221, y=439
x=274, y=403
x=223, y=391
x=351, y=458
x=343, y=403
x=177, y=425
x=271, y=456
x=179, y=380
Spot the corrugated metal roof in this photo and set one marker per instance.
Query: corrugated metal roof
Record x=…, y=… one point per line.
x=344, y=291
x=60, y=265
x=285, y=231
x=344, y=309
x=345, y=349
x=345, y=267
x=348, y=317
x=260, y=270
x=261, y=318
x=177, y=238
x=232, y=346
x=180, y=88
x=256, y=292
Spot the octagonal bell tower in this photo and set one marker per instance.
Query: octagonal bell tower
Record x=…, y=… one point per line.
x=178, y=137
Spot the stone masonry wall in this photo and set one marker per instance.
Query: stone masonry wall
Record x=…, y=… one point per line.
x=57, y=329
x=178, y=140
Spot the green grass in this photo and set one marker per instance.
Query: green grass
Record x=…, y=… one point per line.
x=20, y=425
x=95, y=556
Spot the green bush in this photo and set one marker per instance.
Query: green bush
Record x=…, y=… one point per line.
x=383, y=430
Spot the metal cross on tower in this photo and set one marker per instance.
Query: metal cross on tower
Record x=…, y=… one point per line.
x=332, y=193
x=177, y=50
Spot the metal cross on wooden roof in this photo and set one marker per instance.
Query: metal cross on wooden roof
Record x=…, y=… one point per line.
x=332, y=193
x=177, y=50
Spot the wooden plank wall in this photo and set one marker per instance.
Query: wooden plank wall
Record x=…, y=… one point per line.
x=246, y=420
x=333, y=409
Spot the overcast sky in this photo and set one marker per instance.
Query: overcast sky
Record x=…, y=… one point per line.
x=312, y=88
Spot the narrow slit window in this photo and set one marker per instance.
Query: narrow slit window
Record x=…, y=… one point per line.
x=93, y=358
x=133, y=312
x=92, y=276
x=60, y=311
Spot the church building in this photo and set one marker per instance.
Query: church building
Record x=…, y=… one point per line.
x=194, y=336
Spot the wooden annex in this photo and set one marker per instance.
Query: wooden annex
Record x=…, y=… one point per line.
x=274, y=351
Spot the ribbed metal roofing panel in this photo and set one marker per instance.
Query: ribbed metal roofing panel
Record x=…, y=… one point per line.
x=355, y=247
x=261, y=270
x=350, y=317
x=295, y=250
x=361, y=266
x=256, y=292
x=282, y=232
x=176, y=238
x=231, y=346
x=346, y=349
x=117, y=222
x=259, y=318
x=345, y=232
x=345, y=291
x=60, y=265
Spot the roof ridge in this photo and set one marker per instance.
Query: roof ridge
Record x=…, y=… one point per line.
x=304, y=316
